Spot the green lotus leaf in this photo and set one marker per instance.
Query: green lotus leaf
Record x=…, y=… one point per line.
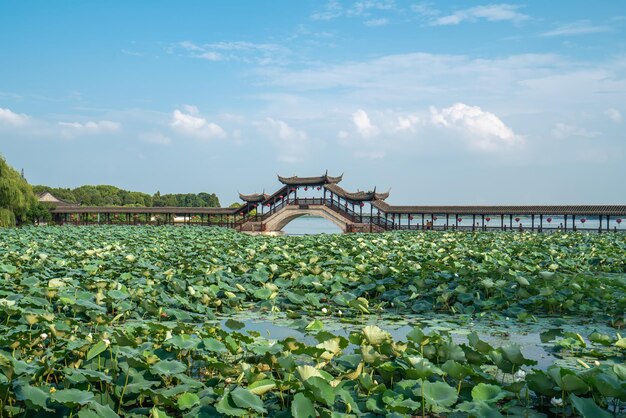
x=439, y=394
x=375, y=336
x=96, y=350
x=260, y=387
x=168, y=367
x=71, y=397
x=302, y=407
x=34, y=396
x=487, y=393
x=245, y=399
x=574, y=384
x=187, y=401
x=321, y=390
x=587, y=408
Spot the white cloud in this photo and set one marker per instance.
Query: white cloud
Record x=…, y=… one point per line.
x=614, y=114
x=155, y=138
x=243, y=51
x=195, y=126
x=9, y=117
x=363, y=125
x=562, y=130
x=376, y=22
x=407, y=123
x=580, y=27
x=74, y=129
x=334, y=9
x=291, y=144
x=484, y=130
x=491, y=13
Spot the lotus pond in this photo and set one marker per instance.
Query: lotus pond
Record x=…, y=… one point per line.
x=191, y=321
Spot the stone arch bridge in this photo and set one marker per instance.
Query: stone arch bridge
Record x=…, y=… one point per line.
x=360, y=211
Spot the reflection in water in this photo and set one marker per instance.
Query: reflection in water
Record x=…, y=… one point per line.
x=311, y=225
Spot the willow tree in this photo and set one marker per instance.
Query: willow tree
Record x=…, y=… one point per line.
x=16, y=195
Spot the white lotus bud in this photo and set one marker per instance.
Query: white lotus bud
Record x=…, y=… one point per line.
x=556, y=402
x=43, y=336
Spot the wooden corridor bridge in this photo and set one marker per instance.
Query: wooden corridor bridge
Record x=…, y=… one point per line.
x=361, y=211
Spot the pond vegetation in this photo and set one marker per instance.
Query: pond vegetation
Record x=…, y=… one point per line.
x=160, y=321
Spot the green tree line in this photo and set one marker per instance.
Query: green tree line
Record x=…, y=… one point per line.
x=18, y=203
x=104, y=195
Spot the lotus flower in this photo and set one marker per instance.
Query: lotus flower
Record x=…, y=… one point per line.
x=519, y=375
x=549, y=220
x=43, y=336
x=556, y=402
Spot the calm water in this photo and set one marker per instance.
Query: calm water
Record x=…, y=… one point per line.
x=308, y=225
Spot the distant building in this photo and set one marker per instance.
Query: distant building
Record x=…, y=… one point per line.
x=49, y=198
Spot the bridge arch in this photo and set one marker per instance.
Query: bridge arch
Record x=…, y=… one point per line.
x=279, y=220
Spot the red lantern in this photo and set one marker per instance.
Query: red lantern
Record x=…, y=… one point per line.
x=241, y=213
x=434, y=218
x=459, y=219
x=267, y=204
x=619, y=221
x=487, y=219
x=362, y=204
x=280, y=197
x=583, y=220
x=306, y=188
x=410, y=218
x=319, y=188
x=549, y=220
x=516, y=219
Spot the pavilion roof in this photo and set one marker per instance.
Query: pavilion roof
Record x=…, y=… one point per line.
x=582, y=210
x=254, y=197
x=47, y=197
x=358, y=196
x=310, y=181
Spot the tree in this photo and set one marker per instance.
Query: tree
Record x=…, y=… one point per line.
x=16, y=196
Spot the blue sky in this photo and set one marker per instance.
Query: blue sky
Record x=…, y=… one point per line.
x=463, y=102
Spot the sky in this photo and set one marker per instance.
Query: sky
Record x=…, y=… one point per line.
x=455, y=102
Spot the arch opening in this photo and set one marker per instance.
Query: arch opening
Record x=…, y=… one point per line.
x=310, y=225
